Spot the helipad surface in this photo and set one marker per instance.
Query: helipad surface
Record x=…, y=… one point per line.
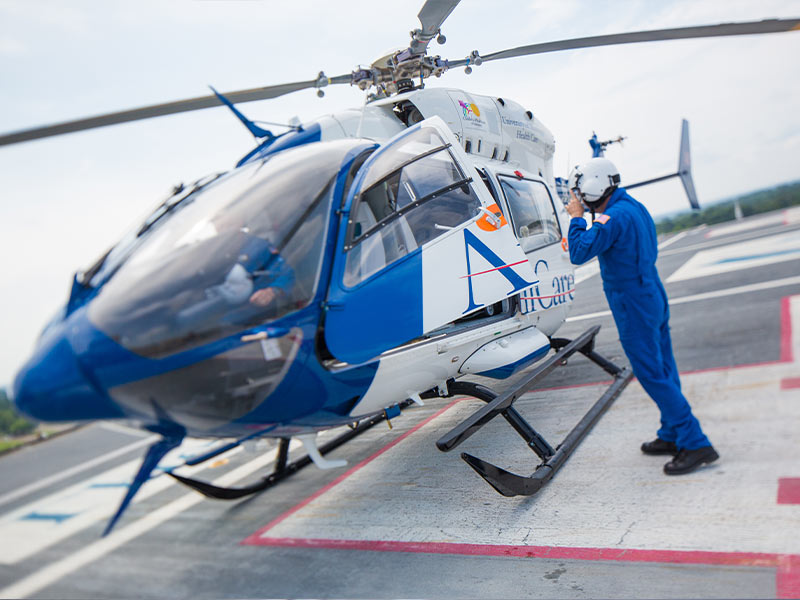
x=610, y=503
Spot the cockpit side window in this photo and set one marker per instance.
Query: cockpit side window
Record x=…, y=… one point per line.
x=532, y=212
x=413, y=193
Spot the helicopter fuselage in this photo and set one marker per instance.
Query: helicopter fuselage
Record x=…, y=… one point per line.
x=362, y=259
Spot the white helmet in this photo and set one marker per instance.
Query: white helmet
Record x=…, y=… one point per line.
x=593, y=181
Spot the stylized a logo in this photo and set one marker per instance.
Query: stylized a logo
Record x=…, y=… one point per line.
x=500, y=266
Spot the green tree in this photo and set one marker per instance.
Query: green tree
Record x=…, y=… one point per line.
x=766, y=200
x=11, y=422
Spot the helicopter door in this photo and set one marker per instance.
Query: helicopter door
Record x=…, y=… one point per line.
x=423, y=244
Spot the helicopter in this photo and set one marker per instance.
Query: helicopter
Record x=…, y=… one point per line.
x=342, y=271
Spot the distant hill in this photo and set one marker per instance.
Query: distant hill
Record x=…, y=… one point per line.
x=766, y=200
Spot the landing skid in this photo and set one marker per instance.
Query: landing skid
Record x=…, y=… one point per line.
x=505, y=482
x=511, y=484
x=283, y=468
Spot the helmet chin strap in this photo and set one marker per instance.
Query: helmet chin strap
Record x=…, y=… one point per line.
x=593, y=206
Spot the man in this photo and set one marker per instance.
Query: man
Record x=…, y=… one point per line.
x=623, y=238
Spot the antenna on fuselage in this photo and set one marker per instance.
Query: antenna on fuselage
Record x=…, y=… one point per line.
x=258, y=132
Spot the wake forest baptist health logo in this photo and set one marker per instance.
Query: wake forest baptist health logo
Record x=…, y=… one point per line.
x=469, y=109
x=471, y=112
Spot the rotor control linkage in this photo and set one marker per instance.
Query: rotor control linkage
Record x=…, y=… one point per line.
x=511, y=484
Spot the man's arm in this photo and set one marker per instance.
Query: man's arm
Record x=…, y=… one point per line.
x=273, y=284
x=586, y=244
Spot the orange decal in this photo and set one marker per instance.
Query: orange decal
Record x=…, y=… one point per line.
x=564, y=245
x=484, y=223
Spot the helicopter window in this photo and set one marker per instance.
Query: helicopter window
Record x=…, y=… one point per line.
x=532, y=212
x=487, y=183
x=414, y=146
x=419, y=199
x=409, y=173
x=246, y=250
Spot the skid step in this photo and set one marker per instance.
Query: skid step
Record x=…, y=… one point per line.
x=511, y=484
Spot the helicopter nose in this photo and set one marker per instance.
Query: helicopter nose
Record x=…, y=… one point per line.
x=52, y=386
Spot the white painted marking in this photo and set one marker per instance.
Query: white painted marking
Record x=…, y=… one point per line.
x=742, y=289
x=56, y=477
x=794, y=320
x=594, y=315
x=724, y=242
x=89, y=501
x=791, y=215
x=122, y=428
x=586, y=271
x=96, y=550
x=592, y=268
x=735, y=257
x=746, y=225
x=673, y=239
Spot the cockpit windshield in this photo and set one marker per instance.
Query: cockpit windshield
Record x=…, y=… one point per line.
x=243, y=251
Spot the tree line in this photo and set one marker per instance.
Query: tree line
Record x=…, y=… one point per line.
x=11, y=423
x=762, y=201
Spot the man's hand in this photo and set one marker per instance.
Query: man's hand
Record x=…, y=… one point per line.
x=574, y=208
x=263, y=297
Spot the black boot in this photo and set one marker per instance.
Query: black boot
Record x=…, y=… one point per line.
x=659, y=446
x=687, y=461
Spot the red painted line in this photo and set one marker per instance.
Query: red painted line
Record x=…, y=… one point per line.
x=789, y=490
x=547, y=297
x=787, y=580
x=787, y=577
x=497, y=269
x=790, y=383
x=786, y=330
x=253, y=539
x=689, y=557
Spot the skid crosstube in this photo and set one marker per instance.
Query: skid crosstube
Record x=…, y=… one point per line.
x=511, y=484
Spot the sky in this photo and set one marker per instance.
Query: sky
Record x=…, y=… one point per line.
x=65, y=200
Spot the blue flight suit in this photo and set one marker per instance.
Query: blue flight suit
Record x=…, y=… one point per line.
x=623, y=239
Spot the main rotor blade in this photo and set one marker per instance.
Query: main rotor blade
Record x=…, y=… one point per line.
x=431, y=16
x=680, y=33
x=158, y=110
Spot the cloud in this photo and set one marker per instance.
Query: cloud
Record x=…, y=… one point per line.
x=10, y=47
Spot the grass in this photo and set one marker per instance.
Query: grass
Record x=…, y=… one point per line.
x=9, y=444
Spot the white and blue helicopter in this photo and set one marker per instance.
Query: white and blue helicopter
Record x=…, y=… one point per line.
x=342, y=271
